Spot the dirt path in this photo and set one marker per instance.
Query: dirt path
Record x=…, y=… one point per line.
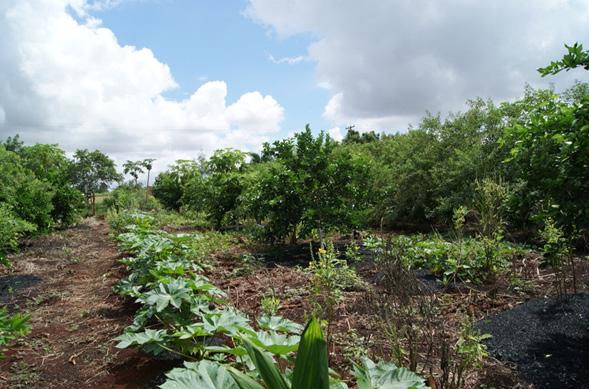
x=64, y=280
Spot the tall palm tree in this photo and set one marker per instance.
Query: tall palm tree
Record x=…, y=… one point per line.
x=133, y=168
x=148, y=165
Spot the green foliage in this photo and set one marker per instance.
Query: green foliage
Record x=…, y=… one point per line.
x=13, y=143
x=470, y=350
x=470, y=346
x=459, y=220
x=92, y=172
x=556, y=246
x=29, y=197
x=558, y=252
x=299, y=186
x=270, y=305
x=549, y=152
x=169, y=187
x=203, y=374
x=224, y=186
x=330, y=276
x=133, y=168
x=61, y=202
x=386, y=375
x=11, y=229
x=11, y=328
x=491, y=196
x=353, y=136
x=181, y=312
x=575, y=57
x=466, y=260
x=123, y=221
x=130, y=197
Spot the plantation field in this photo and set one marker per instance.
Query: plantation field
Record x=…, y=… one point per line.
x=65, y=280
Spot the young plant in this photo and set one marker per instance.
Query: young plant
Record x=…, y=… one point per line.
x=470, y=352
x=330, y=276
x=11, y=328
x=558, y=253
x=270, y=305
x=459, y=220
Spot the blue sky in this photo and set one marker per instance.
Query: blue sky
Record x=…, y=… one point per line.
x=210, y=40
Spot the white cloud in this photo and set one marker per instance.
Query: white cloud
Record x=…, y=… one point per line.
x=388, y=61
x=335, y=133
x=71, y=82
x=287, y=60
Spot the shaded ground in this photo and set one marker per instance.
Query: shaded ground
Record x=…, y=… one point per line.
x=64, y=281
x=546, y=338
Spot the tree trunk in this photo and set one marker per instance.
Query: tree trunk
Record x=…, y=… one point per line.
x=147, y=188
x=293, y=237
x=93, y=204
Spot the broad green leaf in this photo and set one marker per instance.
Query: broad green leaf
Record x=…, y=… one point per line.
x=311, y=366
x=280, y=324
x=140, y=338
x=243, y=380
x=202, y=375
x=266, y=368
x=386, y=375
x=275, y=342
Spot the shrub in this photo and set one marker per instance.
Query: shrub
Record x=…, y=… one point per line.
x=130, y=197
x=11, y=228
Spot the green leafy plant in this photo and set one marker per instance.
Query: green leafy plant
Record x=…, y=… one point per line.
x=330, y=276
x=310, y=370
x=558, y=254
x=11, y=229
x=574, y=57
x=470, y=352
x=459, y=220
x=270, y=305
x=11, y=328
x=372, y=375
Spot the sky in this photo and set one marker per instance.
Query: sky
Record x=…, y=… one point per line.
x=170, y=79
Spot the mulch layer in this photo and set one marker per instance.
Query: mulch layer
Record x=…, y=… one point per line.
x=546, y=338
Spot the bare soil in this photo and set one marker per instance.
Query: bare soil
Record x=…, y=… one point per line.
x=64, y=281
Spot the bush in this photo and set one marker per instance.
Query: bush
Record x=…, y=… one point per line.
x=11, y=228
x=67, y=202
x=475, y=260
x=130, y=197
x=168, y=190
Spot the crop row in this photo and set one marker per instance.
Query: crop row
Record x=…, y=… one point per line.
x=183, y=314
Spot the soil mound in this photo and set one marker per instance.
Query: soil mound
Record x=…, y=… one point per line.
x=546, y=338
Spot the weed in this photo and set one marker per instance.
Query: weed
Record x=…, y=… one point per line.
x=558, y=254
x=470, y=352
x=354, y=346
x=49, y=297
x=353, y=252
x=11, y=328
x=248, y=265
x=330, y=276
x=23, y=376
x=270, y=305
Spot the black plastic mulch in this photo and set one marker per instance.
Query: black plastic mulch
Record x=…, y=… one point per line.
x=546, y=338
